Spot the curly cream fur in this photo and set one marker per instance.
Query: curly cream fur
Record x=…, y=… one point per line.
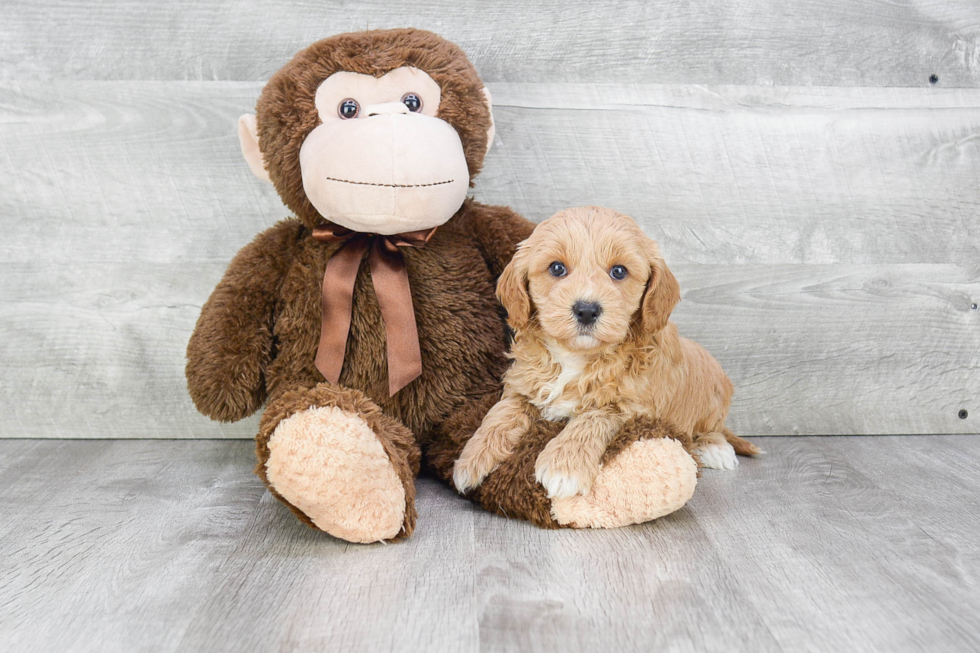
x=630, y=362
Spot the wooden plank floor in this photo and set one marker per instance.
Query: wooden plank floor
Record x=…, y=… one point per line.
x=833, y=543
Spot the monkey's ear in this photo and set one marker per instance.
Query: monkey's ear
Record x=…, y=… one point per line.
x=493, y=128
x=248, y=138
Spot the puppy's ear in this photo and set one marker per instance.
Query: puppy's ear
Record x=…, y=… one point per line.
x=660, y=297
x=513, y=293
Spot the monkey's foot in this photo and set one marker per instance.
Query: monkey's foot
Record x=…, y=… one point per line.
x=646, y=480
x=329, y=463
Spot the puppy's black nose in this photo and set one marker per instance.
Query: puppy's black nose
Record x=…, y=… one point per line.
x=586, y=312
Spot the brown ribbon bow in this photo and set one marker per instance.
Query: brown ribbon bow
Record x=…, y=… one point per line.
x=390, y=279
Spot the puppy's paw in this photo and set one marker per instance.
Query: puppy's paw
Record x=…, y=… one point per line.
x=563, y=473
x=717, y=455
x=557, y=485
x=473, y=465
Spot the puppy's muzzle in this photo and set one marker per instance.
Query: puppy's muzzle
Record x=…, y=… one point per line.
x=586, y=313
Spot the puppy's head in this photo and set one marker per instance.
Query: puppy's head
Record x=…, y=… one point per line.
x=590, y=278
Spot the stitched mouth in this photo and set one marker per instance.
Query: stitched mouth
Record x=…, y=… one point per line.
x=371, y=183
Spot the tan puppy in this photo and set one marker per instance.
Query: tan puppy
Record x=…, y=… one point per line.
x=589, y=297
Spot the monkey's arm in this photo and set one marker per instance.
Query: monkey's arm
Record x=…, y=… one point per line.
x=232, y=342
x=498, y=230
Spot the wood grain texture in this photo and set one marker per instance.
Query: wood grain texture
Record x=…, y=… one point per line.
x=151, y=171
x=839, y=349
x=811, y=349
x=752, y=175
x=857, y=544
x=825, y=239
x=765, y=42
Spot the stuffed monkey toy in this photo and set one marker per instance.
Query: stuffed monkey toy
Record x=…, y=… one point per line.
x=367, y=324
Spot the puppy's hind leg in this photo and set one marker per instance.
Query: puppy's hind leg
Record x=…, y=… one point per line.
x=714, y=450
x=742, y=447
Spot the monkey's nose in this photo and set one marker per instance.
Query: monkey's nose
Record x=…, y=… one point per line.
x=586, y=312
x=385, y=109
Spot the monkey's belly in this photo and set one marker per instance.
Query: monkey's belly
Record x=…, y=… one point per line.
x=460, y=326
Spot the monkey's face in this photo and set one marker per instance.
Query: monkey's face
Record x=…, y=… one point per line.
x=379, y=131
x=380, y=160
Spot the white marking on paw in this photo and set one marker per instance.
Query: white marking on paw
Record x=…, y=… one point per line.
x=557, y=485
x=462, y=479
x=467, y=478
x=718, y=456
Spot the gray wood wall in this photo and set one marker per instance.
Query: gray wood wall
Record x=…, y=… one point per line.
x=815, y=194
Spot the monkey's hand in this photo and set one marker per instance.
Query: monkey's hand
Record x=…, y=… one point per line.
x=232, y=343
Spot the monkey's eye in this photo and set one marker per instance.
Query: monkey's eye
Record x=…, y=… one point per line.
x=618, y=272
x=557, y=269
x=413, y=102
x=349, y=108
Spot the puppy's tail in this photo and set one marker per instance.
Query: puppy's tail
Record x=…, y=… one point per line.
x=742, y=447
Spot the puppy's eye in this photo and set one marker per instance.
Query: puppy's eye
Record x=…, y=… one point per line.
x=618, y=272
x=413, y=102
x=349, y=108
x=557, y=269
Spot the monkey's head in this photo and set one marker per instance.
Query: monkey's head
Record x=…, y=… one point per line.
x=379, y=131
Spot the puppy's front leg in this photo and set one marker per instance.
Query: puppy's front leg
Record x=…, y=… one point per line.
x=570, y=462
x=493, y=442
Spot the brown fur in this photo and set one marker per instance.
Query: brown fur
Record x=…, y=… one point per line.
x=286, y=112
x=257, y=336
